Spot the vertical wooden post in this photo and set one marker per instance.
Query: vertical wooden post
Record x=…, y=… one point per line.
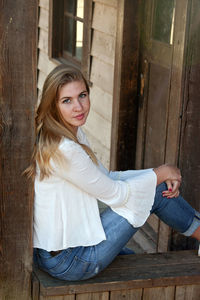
x=125, y=106
x=18, y=41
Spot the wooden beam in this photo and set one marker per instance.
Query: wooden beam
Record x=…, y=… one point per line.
x=124, y=120
x=18, y=44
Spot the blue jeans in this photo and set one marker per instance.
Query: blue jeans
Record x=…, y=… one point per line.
x=81, y=263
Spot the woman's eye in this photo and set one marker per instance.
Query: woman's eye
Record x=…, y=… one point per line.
x=82, y=95
x=66, y=101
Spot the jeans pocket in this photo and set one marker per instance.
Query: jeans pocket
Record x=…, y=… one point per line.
x=48, y=262
x=78, y=269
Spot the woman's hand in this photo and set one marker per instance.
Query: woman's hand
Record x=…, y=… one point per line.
x=173, y=189
x=172, y=176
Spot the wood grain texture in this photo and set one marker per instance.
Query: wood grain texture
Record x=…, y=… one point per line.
x=139, y=271
x=18, y=36
x=93, y=296
x=187, y=292
x=103, y=46
x=177, y=75
x=66, y=297
x=104, y=18
x=102, y=153
x=101, y=127
x=102, y=75
x=135, y=294
x=101, y=102
x=189, y=159
x=44, y=4
x=43, y=19
x=161, y=293
x=124, y=120
x=112, y=3
x=43, y=40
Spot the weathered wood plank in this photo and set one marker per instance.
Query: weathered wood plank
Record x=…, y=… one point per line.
x=18, y=36
x=35, y=288
x=145, y=243
x=101, y=102
x=98, y=124
x=44, y=4
x=135, y=294
x=161, y=293
x=43, y=19
x=124, y=120
x=93, y=296
x=102, y=75
x=177, y=73
x=44, y=64
x=41, y=79
x=189, y=159
x=132, y=272
x=103, y=153
x=43, y=40
x=104, y=18
x=66, y=297
x=103, y=47
x=107, y=2
x=187, y=292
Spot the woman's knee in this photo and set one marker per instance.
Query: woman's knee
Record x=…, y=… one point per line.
x=161, y=187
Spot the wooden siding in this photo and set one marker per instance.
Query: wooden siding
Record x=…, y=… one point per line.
x=98, y=127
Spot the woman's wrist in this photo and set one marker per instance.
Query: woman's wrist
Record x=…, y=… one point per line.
x=160, y=173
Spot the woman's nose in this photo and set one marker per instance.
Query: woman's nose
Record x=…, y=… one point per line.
x=77, y=105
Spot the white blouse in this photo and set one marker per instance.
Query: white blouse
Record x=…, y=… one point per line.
x=66, y=212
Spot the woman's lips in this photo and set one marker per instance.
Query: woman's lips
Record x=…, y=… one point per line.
x=80, y=117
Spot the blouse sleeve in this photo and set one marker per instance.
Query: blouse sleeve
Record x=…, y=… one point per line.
x=131, y=198
x=85, y=175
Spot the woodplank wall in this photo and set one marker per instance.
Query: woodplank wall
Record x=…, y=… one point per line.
x=18, y=48
x=98, y=127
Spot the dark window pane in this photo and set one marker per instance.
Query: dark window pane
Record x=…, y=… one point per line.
x=68, y=34
x=79, y=39
x=70, y=6
x=163, y=21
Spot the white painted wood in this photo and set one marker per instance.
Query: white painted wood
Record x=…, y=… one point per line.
x=102, y=75
x=43, y=19
x=41, y=79
x=100, y=128
x=112, y=3
x=101, y=102
x=44, y=64
x=44, y=4
x=105, y=18
x=102, y=153
x=43, y=40
x=103, y=47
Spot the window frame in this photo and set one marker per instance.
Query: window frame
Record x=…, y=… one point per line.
x=55, y=51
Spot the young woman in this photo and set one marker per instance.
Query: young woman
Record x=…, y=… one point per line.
x=72, y=241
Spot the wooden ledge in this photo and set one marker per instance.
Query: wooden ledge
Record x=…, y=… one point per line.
x=137, y=271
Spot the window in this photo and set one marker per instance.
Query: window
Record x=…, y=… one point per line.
x=70, y=32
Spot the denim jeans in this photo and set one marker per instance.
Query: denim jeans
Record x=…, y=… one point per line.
x=81, y=263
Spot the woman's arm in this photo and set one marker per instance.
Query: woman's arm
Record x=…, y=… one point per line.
x=83, y=173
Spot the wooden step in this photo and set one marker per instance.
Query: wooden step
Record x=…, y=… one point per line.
x=171, y=275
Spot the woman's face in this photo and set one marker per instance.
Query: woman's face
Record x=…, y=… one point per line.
x=74, y=103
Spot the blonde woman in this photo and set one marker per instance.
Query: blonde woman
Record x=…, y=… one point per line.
x=72, y=241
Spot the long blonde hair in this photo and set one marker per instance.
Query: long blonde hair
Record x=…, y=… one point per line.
x=50, y=126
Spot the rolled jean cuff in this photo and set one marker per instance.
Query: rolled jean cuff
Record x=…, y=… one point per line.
x=195, y=224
